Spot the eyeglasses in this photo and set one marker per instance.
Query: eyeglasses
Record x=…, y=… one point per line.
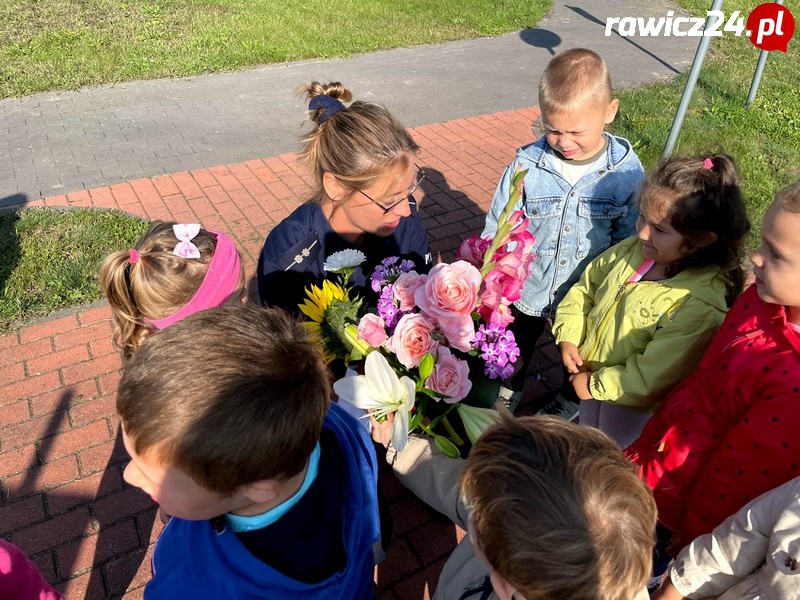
x=387, y=209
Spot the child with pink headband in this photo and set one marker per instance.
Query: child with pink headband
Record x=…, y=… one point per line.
x=173, y=271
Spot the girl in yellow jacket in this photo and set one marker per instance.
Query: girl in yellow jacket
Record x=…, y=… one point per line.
x=642, y=313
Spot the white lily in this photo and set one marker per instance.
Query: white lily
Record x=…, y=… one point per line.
x=476, y=420
x=381, y=391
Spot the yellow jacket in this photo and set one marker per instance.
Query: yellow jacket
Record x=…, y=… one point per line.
x=639, y=339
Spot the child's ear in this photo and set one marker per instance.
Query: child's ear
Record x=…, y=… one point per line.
x=611, y=111
x=503, y=588
x=333, y=188
x=263, y=491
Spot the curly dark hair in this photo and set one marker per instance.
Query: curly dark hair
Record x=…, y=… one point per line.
x=706, y=199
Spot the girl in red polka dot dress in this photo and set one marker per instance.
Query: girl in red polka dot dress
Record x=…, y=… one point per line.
x=729, y=432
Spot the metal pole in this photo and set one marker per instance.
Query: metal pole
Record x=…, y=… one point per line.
x=694, y=73
x=762, y=61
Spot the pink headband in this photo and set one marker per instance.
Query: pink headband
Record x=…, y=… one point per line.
x=218, y=285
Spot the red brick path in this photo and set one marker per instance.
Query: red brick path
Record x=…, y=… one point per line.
x=63, y=499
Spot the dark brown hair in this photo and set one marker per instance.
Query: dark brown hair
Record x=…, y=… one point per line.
x=705, y=198
x=230, y=395
x=558, y=511
x=357, y=145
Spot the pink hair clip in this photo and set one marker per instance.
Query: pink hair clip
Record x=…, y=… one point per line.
x=708, y=163
x=133, y=256
x=186, y=232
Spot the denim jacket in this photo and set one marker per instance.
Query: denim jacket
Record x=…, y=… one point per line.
x=572, y=224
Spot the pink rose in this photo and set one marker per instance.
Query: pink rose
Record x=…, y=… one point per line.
x=450, y=377
x=372, y=330
x=412, y=339
x=450, y=291
x=404, y=288
x=459, y=331
x=472, y=250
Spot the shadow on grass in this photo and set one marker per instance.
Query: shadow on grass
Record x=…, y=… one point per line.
x=9, y=242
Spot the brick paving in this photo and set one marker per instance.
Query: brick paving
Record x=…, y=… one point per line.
x=63, y=498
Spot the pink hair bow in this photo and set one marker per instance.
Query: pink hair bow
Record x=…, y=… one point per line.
x=186, y=232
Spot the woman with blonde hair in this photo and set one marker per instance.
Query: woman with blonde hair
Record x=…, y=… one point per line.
x=362, y=161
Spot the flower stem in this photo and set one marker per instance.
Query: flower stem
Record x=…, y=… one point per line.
x=502, y=222
x=456, y=439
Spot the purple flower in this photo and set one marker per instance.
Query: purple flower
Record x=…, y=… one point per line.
x=388, y=271
x=498, y=349
x=386, y=308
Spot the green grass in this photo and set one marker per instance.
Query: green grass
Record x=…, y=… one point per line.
x=49, y=258
x=765, y=139
x=65, y=44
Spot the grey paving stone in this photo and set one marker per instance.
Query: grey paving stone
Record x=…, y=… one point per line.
x=232, y=117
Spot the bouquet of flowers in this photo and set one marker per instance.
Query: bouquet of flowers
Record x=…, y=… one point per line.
x=436, y=345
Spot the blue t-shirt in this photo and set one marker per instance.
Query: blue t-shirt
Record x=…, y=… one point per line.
x=208, y=560
x=294, y=253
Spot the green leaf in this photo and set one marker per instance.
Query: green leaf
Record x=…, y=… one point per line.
x=446, y=447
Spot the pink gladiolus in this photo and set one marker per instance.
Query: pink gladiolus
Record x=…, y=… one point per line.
x=404, y=288
x=451, y=291
x=372, y=330
x=450, y=377
x=518, y=223
x=412, y=339
x=472, y=250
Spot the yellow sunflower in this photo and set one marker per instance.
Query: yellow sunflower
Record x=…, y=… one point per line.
x=315, y=307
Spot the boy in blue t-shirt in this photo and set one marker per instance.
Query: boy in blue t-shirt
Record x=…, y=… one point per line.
x=580, y=193
x=272, y=490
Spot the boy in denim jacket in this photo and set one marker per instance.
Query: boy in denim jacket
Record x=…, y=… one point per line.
x=580, y=193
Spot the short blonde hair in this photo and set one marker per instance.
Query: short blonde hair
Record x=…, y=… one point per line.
x=573, y=79
x=357, y=145
x=788, y=198
x=558, y=511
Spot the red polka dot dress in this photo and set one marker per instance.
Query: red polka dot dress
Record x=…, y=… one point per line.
x=731, y=431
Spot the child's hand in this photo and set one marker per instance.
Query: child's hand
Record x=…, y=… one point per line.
x=570, y=356
x=382, y=432
x=580, y=383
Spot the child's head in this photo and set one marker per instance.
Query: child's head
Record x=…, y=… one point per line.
x=558, y=512
x=220, y=410
x=154, y=284
x=776, y=263
x=576, y=104
x=691, y=214
x=362, y=160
